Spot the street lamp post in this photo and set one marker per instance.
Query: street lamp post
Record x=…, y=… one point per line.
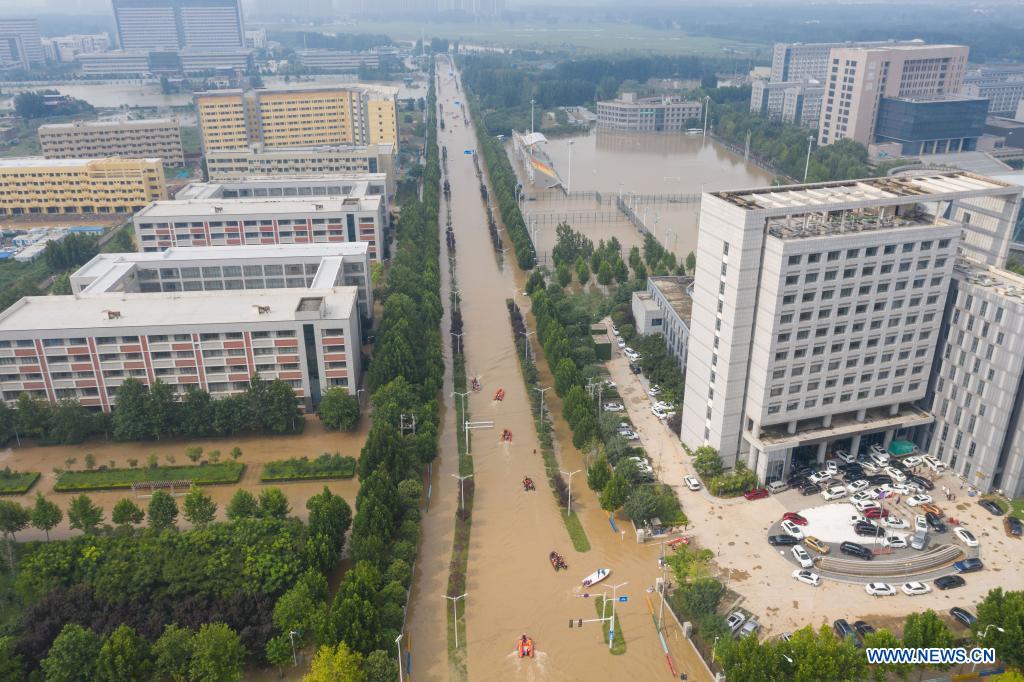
x=807, y=163
x=455, y=612
x=532, y=102
x=542, y=390
x=611, y=624
x=527, y=344
x=570, y=475
x=291, y=636
x=713, y=648
x=398, y=644
x=462, y=489
x=568, y=181
x=463, y=396
x=459, y=337
x=707, y=105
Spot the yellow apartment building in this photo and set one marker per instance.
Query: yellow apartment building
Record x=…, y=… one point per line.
x=32, y=185
x=297, y=117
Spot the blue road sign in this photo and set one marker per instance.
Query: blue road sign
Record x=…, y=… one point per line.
x=468, y=151
x=623, y=599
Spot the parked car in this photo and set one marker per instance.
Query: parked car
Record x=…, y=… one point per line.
x=654, y=391
x=915, y=588
x=756, y=494
x=857, y=486
x=1014, y=527
x=895, y=522
x=816, y=544
x=921, y=481
x=735, y=620
x=864, y=496
x=807, y=577
x=658, y=412
x=634, y=368
x=933, y=464
x=991, y=507
x=930, y=508
x=863, y=628
x=819, y=476
x=876, y=513
x=880, y=479
x=965, y=536
x=935, y=522
x=843, y=630
x=801, y=556
x=897, y=488
x=613, y=407
x=615, y=330
x=867, y=530
x=795, y=518
x=845, y=456
x=631, y=354
x=915, y=500
x=834, y=492
x=810, y=489
x=968, y=565
x=628, y=434
x=879, y=459
x=948, y=582
x=896, y=474
x=792, y=529
x=691, y=482
x=776, y=487
x=963, y=616
x=919, y=539
x=859, y=518
x=895, y=542
x=864, y=505
x=750, y=627
x=782, y=540
x=620, y=342
x=911, y=461
x=920, y=523
x=880, y=589
x=832, y=467
x=856, y=550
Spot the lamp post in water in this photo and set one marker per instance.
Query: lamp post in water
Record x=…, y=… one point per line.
x=455, y=613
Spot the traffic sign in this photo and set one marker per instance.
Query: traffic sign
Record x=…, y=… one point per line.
x=623, y=599
x=468, y=152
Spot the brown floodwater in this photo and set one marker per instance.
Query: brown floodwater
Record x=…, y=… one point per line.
x=256, y=450
x=511, y=587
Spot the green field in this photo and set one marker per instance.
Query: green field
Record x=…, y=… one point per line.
x=572, y=35
x=17, y=482
x=112, y=479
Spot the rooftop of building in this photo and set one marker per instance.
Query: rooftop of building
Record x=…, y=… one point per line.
x=676, y=292
x=42, y=162
x=381, y=147
x=358, y=183
x=120, y=123
x=1002, y=282
x=937, y=98
x=149, y=310
x=256, y=206
x=883, y=191
x=369, y=88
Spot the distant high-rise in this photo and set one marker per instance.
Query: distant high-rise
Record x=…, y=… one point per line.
x=20, y=42
x=176, y=24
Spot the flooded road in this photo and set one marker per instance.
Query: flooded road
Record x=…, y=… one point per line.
x=511, y=587
x=256, y=450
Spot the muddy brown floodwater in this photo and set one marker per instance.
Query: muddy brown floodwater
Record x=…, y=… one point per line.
x=256, y=450
x=511, y=588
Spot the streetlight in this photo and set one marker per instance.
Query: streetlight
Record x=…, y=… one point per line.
x=291, y=636
x=462, y=490
x=611, y=624
x=455, y=612
x=807, y=164
x=707, y=105
x=527, y=344
x=713, y=648
x=397, y=644
x=990, y=626
x=456, y=292
x=532, y=102
x=542, y=400
x=566, y=473
x=459, y=337
x=569, y=178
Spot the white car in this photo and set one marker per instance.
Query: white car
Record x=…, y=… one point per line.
x=631, y=354
x=880, y=589
x=833, y=492
x=668, y=407
x=864, y=496
x=807, y=577
x=915, y=500
x=859, y=518
x=615, y=330
x=895, y=522
x=857, y=486
x=691, y=482
x=896, y=488
x=933, y=463
x=831, y=467
x=613, y=407
x=915, y=588
x=658, y=412
x=896, y=474
x=801, y=556
x=920, y=523
x=793, y=529
x=735, y=620
x=628, y=434
x=965, y=536
x=845, y=456
x=895, y=541
x=608, y=383
x=620, y=343
x=870, y=468
x=879, y=458
x=654, y=391
x=911, y=461
x=864, y=505
x=819, y=476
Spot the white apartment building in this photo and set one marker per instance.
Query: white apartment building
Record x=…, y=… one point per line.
x=859, y=77
x=85, y=346
x=234, y=222
x=817, y=310
x=236, y=164
x=231, y=268
x=65, y=49
x=792, y=102
x=796, y=62
x=284, y=187
x=665, y=308
x=647, y=114
x=136, y=139
x=1002, y=86
x=20, y=43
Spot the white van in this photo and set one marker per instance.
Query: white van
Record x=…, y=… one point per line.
x=880, y=459
x=777, y=487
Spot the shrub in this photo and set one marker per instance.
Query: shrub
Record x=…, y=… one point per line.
x=302, y=468
x=110, y=479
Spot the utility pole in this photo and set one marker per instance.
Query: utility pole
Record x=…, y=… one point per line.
x=570, y=475
x=707, y=105
x=532, y=102
x=459, y=337
x=542, y=390
x=611, y=625
x=527, y=344
x=569, y=178
x=398, y=644
x=807, y=164
x=462, y=489
x=291, y=636
x=455, y=611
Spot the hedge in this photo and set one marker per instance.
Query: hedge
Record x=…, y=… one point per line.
x=302, y=469
x=17, y=483
x=108, y=479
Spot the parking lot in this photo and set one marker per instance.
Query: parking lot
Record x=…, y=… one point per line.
x=736, y=530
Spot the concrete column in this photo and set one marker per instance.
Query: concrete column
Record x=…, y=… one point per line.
x=855, y=445
x=791, y=427
x=826, y=421
x=822, y=449
x=894, y=409
x=861, y=414
x=888, y=438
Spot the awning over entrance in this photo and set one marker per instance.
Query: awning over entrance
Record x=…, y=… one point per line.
x=901, y=447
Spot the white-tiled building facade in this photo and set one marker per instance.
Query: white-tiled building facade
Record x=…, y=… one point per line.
x=664, y=308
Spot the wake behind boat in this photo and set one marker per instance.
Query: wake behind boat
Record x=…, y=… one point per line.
x=596, y=577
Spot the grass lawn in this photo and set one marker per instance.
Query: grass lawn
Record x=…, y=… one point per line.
x=112, y=479
x=303, y=469
x=579, y=537
x=17, y=482
x=1015, y=507
x=619, y=642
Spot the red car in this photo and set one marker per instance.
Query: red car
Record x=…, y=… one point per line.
x=756, y=494
x=876, y=513
x=795, y=518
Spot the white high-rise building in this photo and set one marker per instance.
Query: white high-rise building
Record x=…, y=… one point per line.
x=817, y=310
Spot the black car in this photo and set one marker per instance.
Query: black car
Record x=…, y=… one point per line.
x=948, y=582
x=963, y=616
x=865, y=529
x=968, y=565
x=782, y=540
x=880, y=479
x=796, y=481
x=935, y=522
x=844, y=631
x=1014, y=526
x=921, y=481
x=810, y=489
x=863, y=629
x=635, y=368
x=854, y=549
x=991, y=507
x=803, y=471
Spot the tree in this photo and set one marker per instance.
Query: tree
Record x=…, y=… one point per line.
x=707, y=462
x=69, y=422
x=131, y=420
x=582, y=270
x=566, y=376
x=83, y=515
x=924, y=630
x=274, y=504
x=564, y=275
x=13, y=518
x=598, y=474
x=691, y=262
x=242, y=506
x=124, y=657
x=701, y=596
x=11, y=665
x=200, y=509
x=172, y=653
x=46, y=515
x=337, y=664
x=162, y=411
x=32, y=416
x=819, y=656
x=1005, y=610
x=217, y=654
x=380, y=667
x=615, y=493
x=162, y=511
x=72, y=656
x=883, y=639
x=127, y=513
x=642, y=505
x=236, y=452
x=194, y=453
x=338, y=409
x=604, y=273
x=279, y=652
